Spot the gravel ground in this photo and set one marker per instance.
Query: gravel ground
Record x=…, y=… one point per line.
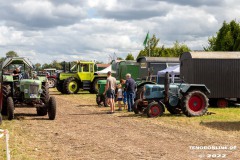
x=82, y=130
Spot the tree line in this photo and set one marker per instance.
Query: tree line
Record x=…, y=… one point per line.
x=226, y=39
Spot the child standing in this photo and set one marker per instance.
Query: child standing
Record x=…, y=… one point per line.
x=119, y=97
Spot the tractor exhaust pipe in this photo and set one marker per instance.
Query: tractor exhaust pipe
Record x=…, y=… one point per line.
x=64, y=66
x=166, y=88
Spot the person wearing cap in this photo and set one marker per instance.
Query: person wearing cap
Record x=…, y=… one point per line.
x=110, y=91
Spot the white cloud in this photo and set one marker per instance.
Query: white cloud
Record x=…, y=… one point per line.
x=71, y=29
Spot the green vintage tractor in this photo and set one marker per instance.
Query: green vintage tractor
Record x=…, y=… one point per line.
x=24, y=89
x=81, y=75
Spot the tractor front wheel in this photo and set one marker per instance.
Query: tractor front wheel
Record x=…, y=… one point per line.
x=6, y=91
x=52, y=108
x=154, y=109
x=195, y=103
x=98, y=99
x=137, y=108
x=70, y=86
x=10, y=108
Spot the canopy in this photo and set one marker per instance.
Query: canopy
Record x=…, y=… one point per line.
x=173, y=70
x=106, y=70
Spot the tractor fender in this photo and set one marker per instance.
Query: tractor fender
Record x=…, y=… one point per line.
x=191, y=87
x=140, y=84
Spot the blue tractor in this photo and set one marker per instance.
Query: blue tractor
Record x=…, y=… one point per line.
x=189, y=99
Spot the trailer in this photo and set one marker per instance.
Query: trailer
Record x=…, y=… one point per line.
x=220, y=71
x=149, y=66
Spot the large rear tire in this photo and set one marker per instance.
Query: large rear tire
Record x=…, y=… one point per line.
x=52, y=108
x=6, y=91
x=94, y=86
x=154, y=109
x=59, y=87
x=70, y=86
x=45, y=93
x=195, y=103
x=10, y=108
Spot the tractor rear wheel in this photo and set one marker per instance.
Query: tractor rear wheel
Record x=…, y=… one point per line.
x=59, y=87
x=195, y=103
x=137, y=108
x=52, y=82
x=41, y=111
x=154, y=109
x=52, y=108
x=70, y=86
x=45, y=93
x=94, y=86
x=6, y=91
x=10, y=108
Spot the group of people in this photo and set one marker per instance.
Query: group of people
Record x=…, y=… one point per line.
x=125, y=95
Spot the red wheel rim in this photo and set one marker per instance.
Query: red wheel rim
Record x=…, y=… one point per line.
x=222, y=103
x=196, y=103
x=155, y=111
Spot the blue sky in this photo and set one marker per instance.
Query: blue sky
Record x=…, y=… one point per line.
x=71, y=30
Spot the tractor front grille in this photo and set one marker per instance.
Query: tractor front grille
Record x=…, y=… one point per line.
x=33, y=89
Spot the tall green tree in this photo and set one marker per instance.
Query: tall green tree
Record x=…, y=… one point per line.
x=129, y=57
x=11, y=54
x=227, y=38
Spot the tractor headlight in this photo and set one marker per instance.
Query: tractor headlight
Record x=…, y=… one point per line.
x=25, y=90
x=40, y=91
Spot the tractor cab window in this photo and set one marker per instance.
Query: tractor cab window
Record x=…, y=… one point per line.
x=74, y=68
x=91, y=67
x=85, y=67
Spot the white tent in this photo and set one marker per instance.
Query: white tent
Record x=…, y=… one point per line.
x=173, y=70
x=105, y=70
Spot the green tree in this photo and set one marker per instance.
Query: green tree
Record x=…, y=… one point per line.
x=56, y=65
x=11, y=54
x=119, y=58
x=38, y=66
x=227, y=38
x=162, y=51
x=129, y=57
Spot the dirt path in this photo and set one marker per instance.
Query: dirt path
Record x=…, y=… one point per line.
x=82, y=130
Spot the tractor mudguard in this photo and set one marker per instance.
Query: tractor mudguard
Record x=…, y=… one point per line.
x=140, y=84
x=7, y=78
x=190, y=87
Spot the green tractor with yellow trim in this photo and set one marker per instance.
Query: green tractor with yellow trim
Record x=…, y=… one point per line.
x=81, y=75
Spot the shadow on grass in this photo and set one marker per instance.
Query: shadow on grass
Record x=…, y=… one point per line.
x=224, y=126
x=88, y=114
x=87, y=105
x=25, y=116
x=60, y=94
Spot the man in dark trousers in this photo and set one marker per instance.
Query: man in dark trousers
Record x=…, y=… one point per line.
x=130, y=88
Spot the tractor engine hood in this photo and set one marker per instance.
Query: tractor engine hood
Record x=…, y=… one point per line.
x=31, y=88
